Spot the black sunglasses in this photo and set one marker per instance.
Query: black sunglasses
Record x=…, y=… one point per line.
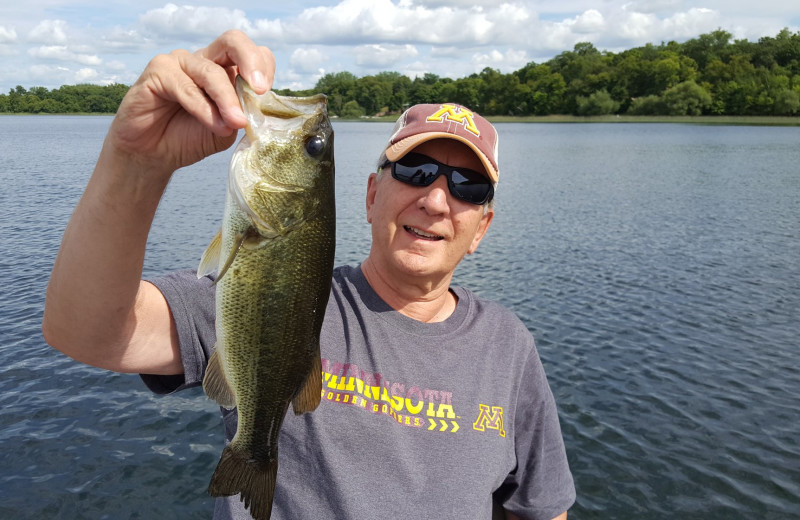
x=464, y=184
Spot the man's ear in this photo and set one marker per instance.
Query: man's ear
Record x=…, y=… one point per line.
x=372, y=188
x=483, y=227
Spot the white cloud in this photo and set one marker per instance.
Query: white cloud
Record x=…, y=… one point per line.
x=115, y=65
x=592, y=21
x=349, y=20
x=181, y=22
x=652, y=6
x=39, y=74
x=53, y=76
x=450, y=38
x=50, y=32
x=7, y=35
x=506, y=61
x=86, y=75
x=267, y=30
x=289, y=78
x=615, y=28
x=186, y=20
x=466, y=4
x=62, y=53
x=382, y=21
x=121, y=40
x=691, y=23
x=308, y=60
x=377, y=55
x=637, y=26
x=514, y=14
x=8, y=40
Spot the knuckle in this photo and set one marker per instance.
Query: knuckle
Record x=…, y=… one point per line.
x=165, y=61
x=209, y=70
x=233, y=35
x=160, y=61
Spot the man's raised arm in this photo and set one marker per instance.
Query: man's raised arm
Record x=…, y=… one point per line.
x=181, y=109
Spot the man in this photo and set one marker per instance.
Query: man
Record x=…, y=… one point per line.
x=435, y=403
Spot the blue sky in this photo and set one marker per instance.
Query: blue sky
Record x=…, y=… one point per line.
x=54, y=42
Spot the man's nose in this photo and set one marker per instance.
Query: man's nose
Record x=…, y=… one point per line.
x=435, y=198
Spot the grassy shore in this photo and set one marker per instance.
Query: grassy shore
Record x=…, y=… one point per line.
x=58, y=114
x=696, y=120
x=693, y=120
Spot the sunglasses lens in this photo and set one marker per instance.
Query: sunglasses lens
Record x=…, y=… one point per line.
x=415, y=170
x=465, y=184
x=470, y=186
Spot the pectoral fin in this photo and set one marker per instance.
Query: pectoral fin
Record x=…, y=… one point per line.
x=209, y=263
x=310, y=394
x=239, y=240
x=216, y=385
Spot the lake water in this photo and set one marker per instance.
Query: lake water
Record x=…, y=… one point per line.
x=658, y=267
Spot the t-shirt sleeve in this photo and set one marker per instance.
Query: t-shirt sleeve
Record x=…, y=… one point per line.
x=541, y=485
x=191, y=302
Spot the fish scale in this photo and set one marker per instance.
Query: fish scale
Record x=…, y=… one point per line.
x=274, y=262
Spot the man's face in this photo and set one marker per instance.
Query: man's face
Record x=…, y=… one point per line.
x=424, y=231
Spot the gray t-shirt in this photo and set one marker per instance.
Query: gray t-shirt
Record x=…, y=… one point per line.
x=417, y=420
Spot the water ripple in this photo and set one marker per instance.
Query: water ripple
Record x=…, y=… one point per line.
x=656, y=265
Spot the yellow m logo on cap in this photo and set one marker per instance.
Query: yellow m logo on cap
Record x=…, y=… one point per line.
x=457, y=114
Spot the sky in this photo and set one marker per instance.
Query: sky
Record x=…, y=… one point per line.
x=51, y=43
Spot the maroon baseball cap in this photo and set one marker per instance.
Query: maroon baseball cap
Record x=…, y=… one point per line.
x=422, y=123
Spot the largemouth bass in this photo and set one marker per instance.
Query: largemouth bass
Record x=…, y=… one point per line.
x=274, y=261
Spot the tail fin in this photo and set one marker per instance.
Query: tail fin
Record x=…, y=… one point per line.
x=255, y=480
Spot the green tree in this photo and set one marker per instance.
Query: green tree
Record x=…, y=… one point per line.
x=372, y=94
x=783, y=50
x=647, y=106
x=708, y=47
x=352, y=110
x=399, y=85
x=546, y=89
x=787, y=103
x=740, y=77
x=732, y=99
x=466, y=91
x=585, y=71
x=597, y=104
x=687, y=98
x=339, y=87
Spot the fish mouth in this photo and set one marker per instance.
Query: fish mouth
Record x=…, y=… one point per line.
x=424, y=235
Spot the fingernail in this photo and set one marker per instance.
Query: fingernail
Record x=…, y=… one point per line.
x=259, y=83
x=238, y=113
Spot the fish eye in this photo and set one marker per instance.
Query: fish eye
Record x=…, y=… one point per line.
x=315, y=145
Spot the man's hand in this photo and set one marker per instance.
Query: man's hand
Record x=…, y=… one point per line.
x=184, y=106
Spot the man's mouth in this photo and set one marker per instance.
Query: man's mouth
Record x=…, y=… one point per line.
x=422, y=234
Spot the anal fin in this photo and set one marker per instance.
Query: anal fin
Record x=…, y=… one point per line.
x=310, y=394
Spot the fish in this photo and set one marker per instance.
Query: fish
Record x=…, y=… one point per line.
x=273, y=258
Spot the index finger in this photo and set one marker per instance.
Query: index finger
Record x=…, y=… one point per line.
x=255, y=63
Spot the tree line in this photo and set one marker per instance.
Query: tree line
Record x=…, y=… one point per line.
x=711, y=74
x=68, y=99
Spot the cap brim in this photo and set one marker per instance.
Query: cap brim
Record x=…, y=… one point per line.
x=399, y=149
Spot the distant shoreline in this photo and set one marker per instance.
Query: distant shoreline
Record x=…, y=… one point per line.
x=111, y=114
x=696, y=120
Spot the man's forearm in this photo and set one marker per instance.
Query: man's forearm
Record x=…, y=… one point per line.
x=92, y=291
